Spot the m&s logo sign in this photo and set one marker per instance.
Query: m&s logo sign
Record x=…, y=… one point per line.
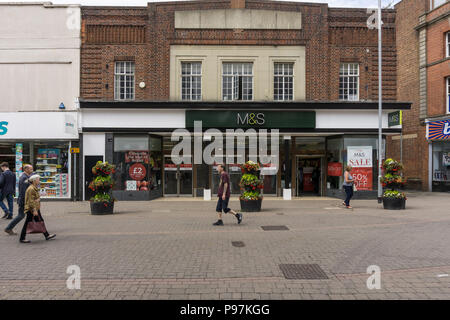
x=3, y=128
x=252, y=119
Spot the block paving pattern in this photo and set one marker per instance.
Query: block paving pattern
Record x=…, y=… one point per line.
x=168, y=249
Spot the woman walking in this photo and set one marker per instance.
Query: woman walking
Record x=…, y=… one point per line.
x=33, y=208
x=348, y=186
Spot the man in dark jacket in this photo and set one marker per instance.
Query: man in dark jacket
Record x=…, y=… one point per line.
x=8, y=190
x=23, y=186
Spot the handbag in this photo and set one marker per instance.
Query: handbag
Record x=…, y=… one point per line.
x=354, y=188
x=36, y=226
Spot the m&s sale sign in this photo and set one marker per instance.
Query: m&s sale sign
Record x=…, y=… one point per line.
x=360, y=159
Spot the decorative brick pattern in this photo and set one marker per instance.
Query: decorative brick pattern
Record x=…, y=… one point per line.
x=330, y=36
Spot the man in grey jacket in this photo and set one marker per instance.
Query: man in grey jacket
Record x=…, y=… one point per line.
x=23, y=186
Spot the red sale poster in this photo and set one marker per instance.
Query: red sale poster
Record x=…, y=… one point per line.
x=363, y=178
x=137, y=172
x=360, y=158
x=335, y=169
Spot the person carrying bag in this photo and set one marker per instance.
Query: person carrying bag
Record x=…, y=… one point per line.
x=349, y=186
x=34, y=223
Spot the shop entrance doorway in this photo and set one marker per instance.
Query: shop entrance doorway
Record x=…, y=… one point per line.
x=234, y=172
x=309, y=176
x=177, y=178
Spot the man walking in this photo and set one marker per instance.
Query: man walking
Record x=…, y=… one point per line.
x=224, y=197
x=8, y=190
x=23, y=186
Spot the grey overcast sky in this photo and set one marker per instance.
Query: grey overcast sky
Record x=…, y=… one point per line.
x=331, y=3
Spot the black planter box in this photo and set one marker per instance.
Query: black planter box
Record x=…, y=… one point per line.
x=251, y=205
x=394, y=204
x=101, y=208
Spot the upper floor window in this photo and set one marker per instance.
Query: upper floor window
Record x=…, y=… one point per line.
x=124, y=80
x=237, y=81
x=447, y=44
x=436, y=3
x=448, y=94
x=283, y=82
x=349, y=82
x=191, y=81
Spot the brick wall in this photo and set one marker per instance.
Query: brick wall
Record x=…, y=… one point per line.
x=439, y=67
x=415, y=150
x=330, y=35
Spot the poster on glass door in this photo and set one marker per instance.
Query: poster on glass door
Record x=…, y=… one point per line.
x=360, y=159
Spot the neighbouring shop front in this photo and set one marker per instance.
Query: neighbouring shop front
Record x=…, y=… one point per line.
x=44, y=140
x=438, y=135
x=314, y=146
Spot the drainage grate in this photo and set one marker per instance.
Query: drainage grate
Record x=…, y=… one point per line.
x=274, y=228
x=238, y=244
x=303, y=271
x=280, y=213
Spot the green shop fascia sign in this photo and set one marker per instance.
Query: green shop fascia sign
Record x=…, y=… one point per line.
x=252, y=119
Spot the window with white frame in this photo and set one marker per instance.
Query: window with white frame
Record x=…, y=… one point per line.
x=283, y=82
x=124, y=80
x=237, y=81
x=448, y=94
x=349, y=82
x=191, y=81
x=436, y=3
x=447, y=44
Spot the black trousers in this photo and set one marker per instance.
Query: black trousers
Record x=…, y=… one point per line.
x=29, y=218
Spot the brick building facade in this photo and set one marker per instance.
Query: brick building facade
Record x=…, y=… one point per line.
x=321, y=40
x=145, y=34
x=423, y=72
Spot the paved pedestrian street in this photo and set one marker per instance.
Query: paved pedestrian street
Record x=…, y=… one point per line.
x=168, y=249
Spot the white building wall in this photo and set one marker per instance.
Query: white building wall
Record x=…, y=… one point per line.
x=39, y=56
x=350, y=119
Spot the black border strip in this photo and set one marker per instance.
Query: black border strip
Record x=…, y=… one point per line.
x=277, y=106
x=284, y=130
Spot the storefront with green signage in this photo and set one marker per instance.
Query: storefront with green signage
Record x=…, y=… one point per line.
x=313, y=142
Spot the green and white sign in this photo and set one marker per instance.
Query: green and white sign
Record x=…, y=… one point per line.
x=395, y=118
x=252, y=119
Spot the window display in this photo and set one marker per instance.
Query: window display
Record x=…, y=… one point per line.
x=441, y=162
x=138, y=167
x=51, y=163
x=358, y=151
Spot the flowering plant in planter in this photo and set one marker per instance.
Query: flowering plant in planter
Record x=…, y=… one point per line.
x=391, y=180
x=394, y=194
x=103, y=169
x=102, y=202
x=251, y=186
x=392, y=198
x=393, y=166
x=249, y=167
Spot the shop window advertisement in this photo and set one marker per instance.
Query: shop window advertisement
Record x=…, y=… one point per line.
x=334, y=169
x=51, y=165
x=19, y=165
x=360, y=159
x=137, y=163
